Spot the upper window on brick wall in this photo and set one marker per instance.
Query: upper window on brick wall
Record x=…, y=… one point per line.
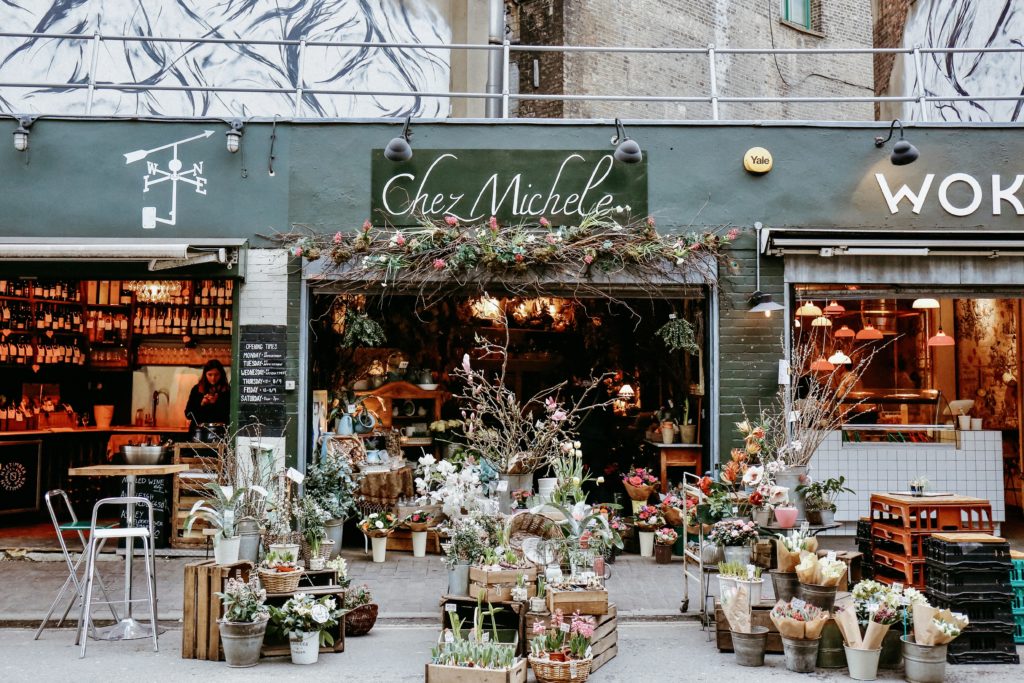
x=805, y=13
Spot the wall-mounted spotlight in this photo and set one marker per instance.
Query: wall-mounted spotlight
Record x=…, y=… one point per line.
x=903, y=152
x=22, y=131
x=234, y=135
x=761, y=302
x=399, y=148
x=626, y=149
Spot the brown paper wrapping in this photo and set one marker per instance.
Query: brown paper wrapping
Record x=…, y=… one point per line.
x=808, y=572
x=812, y=629
x=789, y=628
x=736, y=606
x=787, y=560
x=873, y=635
x=830, y=581
x=925, y=632
x=846, y=620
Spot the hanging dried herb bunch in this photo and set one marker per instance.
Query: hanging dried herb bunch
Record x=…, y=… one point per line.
x=361, y=330
x=677, y=335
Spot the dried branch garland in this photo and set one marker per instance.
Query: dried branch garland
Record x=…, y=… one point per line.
x=434, y=256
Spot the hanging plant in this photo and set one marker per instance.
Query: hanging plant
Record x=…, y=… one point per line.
x=677, y=335
x=361, y=330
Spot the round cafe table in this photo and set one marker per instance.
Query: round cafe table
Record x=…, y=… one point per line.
x=128, y=628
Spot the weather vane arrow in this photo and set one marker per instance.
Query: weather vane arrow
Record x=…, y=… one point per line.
x=140, y=154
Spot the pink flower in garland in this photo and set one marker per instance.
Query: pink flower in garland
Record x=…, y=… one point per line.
x=297, y=251
x=337, y=237
x=650, y=221
x=544, y=222
x=367, y=225
x=519, y=258
x=439, y=264
x=733, y=234
x=451, y=220
x=550, y=239
x=492, y=223
x=588, y=259
x=400, y=239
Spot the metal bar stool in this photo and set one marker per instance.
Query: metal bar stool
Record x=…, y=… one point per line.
x=73, y=567
x=97, y=535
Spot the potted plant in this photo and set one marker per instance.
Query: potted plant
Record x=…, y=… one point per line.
x=560, y=654
x=639, y=484
x=311, y=517
x=786, y=514
x=418, y=522
x=463, y=547
x=735, y=536
x=521, y=499
x=760, y=510
x=918, y=486
x=378, y=526
x=331, y=483
x=663, y=540
x=648, y=520
x=749, y=577
x=279, y=573
x=244, y=622
x=820, y=497
x=538, y=603
x=361, y=612
x=218, y=510
x=307, y=622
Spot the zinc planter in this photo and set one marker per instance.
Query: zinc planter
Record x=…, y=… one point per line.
x=801, y=654
x=785, y=584
x=831, y=654
x=738, y=553
x=662, y=554
x=892, y=652
x=242, y=642
x=305, y=647
x=822, y=597
x=749, y=647
x=335, y=529
x=646, y=544
x=419, y=544
x=923, y=663
x=458, y=580
x=249, y=544
x=863, y=664
x=380, y=548
x=225, y=550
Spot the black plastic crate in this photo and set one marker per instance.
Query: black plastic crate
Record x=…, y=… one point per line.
x=864, y=547
x=889, y=547
x=958, y=580
x=977, y=555
x=867, y=569
x=964, y=597
x=864, y=527
x=974, y=646
x=985, y=616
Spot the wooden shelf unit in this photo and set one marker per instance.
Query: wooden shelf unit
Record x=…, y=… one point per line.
x=188, y=488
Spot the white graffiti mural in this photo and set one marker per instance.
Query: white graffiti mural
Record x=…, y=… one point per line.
x=46, y=63
x=965, y=23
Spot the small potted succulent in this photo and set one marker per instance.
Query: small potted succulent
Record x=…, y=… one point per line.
x=918, y=485
x=244, y=622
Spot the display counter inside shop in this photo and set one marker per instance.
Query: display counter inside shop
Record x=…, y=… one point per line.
x=886, y=458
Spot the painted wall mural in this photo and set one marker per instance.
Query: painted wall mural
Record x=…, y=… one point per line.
x=964, y=23
x=189, y=63
x=987, y=363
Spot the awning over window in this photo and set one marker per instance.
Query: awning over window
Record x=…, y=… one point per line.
x=833, y=243
x=160, y=254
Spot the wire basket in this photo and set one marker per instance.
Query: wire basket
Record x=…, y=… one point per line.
x=360, y=620
x=572, y=671
x=280, y=582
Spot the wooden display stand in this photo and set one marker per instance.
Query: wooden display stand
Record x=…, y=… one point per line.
x=188, y=488
x=200, y=635
x=496, y=585
x=382, y=401
x=759, y=616
x=594, y=602
x=436, y=673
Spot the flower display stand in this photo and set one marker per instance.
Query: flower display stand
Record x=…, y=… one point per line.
x=594, y=602
x=496, y=584
x=316, y=583
x=438, y=673
x=200, y=635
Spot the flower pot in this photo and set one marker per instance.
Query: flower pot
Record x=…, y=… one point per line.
x=791, y=478
x=317, y=563
x=419, y=544
x=749, y=647
x=242, y=642
x=335, y=530
x=380, y=548
x=646, y=543
x=737, y=553
x=963, y=422
x=916, y=490
x=753, y=587
x=822, y=597
x=538, y=604
x=830, y=650
x=668, y=434
x=784, y=584
x=360, y=620
x=286, y=551
x=249, y=545
x=786, y=517
x=726, y=584
x=225, y=550
x=662, y=553
x=801, y=654
x=305, y=647
x=762, y=516
x=923, y=663
x=828, y=517
x=892, y=652
x=458, y=580
x=863, y=664
x=814, y=517
x=688, y=434
x=710, y=554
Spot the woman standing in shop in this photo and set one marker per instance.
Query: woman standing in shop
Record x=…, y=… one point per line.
x=209, y=402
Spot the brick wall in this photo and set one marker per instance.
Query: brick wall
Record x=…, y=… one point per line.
x=890, y=19
x=538, y=22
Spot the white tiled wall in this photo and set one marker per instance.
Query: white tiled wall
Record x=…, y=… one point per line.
x=974, y=469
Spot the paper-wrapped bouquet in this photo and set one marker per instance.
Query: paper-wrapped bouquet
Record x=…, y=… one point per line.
x=798, y=619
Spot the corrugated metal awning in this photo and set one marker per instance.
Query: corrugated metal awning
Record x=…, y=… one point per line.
x=833, y=242
x=161, y=254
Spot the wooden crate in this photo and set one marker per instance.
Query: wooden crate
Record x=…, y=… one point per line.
x=758, y=617
x=401, y=540
x=585, y=602
x=200, y=635
x=512, y=615
x=436, y=673
x=496, y=584
x=188, y=489
x=317, y=584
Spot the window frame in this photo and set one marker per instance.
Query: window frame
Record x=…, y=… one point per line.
x=787, y=4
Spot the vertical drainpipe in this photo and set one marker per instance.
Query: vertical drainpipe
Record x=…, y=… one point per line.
x=495, y=36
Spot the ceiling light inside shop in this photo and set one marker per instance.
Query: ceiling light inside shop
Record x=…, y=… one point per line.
x=821, y=321
x=834, y=308
x=154, y=291
x=941, y=339
x=869, y=333
x=844, y=332
x=822, y=365
x=808, y=309
x=925, y=303
x=839, y=358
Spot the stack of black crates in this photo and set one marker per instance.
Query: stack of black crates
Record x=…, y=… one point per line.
x=970, y=574
x=867, y=564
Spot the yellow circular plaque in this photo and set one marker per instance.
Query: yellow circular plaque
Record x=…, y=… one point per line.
x=757, y=160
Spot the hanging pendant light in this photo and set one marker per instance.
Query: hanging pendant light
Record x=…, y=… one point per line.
x=821, y=321
x=844, y=332
x=834, y=308
x=822, y=365
x=761, y=302
x=839, y=358
x=869, y=333
x=808, y=308
x=925, y=303
x=941, y=339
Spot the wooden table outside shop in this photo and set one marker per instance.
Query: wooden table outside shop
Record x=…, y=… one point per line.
x=677, y=455
x=128, y=628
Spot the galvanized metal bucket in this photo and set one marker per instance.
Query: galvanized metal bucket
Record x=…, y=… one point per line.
x=923, y=663
x=863, y=663
x=822, y=597
x=801, y=654
x=749, y=647
x=831, y=654
x=784, y=584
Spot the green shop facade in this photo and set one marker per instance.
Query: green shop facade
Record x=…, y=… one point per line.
x=112, y=199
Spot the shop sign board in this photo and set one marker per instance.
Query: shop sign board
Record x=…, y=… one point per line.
x=515, y=185
x=959, y=194
x=20, y=469
x=263, y=353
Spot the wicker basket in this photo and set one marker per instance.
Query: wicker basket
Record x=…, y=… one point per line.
x=640, y=493
x=276, y=582
x=523, y=525
x=360, y=620
x=326, y=546
x=572, y=671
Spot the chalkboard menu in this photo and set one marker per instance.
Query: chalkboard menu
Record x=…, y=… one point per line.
x=263, y=350
x=157, y=490
x=19, y=476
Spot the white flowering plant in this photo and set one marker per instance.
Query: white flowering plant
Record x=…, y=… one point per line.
x=455, y=484
x=243, y=601
x=305, y=614
x=378, y=523
x=871, y=597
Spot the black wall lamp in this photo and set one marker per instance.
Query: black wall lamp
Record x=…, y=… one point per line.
x=233, y=137
x=22, y=131
x=761, y=302
x=903, y=152
x=399, y=148
x=627, y=150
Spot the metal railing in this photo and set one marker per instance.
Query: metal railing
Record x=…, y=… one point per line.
x=712, y=54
